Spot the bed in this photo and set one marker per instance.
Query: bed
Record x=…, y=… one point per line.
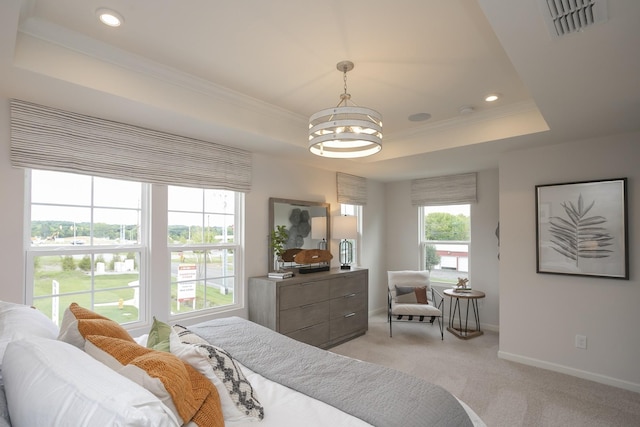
x=72, y=376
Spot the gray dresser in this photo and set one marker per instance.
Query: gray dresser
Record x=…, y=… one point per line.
x=322, y=309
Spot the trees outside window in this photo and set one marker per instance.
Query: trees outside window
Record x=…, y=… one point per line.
x=445, y=241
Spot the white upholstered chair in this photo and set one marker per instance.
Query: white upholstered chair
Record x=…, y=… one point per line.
x=407, y=292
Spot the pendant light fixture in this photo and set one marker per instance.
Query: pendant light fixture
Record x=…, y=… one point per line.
x=346, y=131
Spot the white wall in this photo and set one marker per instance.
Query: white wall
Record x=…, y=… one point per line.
x=403, y=250
x=540, y=314
x=11, y=216
x=372, y=249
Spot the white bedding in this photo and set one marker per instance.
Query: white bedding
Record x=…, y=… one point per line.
x=284, y=407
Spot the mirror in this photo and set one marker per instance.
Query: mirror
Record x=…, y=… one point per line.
x=298, y=216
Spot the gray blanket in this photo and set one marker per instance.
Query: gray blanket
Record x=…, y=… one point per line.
x=378, y=395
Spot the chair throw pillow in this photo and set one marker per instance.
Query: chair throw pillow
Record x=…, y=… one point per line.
x=411, y=295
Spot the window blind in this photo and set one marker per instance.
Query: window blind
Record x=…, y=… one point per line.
x=444, y=190
x=52, y=139
x=352, y=190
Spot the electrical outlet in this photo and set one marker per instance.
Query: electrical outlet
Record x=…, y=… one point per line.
x=581, y=341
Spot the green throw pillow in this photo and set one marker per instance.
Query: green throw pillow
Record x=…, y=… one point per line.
x=159, y=336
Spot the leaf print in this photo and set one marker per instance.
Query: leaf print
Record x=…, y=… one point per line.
x=579, y=236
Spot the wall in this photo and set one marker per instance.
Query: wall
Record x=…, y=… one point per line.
x=403, y=251
x=541, y=314
x=11, y=216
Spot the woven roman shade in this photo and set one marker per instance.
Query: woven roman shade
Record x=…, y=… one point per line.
x=352, y=190
x=444, y=190
x=52, y=139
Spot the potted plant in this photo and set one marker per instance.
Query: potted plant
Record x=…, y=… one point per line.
x=279, y=238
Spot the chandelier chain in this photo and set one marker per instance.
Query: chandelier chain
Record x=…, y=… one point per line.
x=345, y=81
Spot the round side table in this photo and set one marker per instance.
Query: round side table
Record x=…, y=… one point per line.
x=472, y=297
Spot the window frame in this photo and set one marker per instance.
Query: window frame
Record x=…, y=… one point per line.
x=238, y=263
x=423, y=243
x=354, y=210
x=155, y=255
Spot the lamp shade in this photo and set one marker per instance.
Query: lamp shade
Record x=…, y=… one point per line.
x=345, y=131
x=318, y=227
x=345, y=227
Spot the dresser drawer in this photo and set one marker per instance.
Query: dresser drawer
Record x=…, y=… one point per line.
x=314, y=335
x=348, y=284
x=302, y=317
x=348, y=324
x=303, y=294
x=348, y=304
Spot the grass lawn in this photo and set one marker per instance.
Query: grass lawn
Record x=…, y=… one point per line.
x=113, y=297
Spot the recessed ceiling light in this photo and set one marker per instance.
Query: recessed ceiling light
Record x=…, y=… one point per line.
x=492, y=97
x=419, y=117
x=466, y=109
x=109, y=17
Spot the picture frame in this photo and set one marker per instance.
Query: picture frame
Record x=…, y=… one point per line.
x=582, y=230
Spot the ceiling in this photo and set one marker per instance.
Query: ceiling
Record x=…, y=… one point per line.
x=249, y=73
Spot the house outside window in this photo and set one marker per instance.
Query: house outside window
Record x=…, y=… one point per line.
x=88, y=241
x=445, y=242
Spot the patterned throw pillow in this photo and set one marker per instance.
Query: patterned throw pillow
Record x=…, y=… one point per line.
x=223, y=371
x=411, y=295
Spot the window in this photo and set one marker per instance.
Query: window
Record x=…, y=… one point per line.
x=353, y=210
x=445, y=241
x=89, y=243
x=205, y=250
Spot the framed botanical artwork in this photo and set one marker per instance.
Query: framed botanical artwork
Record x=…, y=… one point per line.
x=581, y=229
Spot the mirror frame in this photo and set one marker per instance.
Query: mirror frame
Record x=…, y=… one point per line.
x=294, y=203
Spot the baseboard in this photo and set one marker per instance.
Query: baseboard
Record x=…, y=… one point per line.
x=602, y=379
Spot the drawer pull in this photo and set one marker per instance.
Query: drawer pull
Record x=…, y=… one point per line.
x=306, y=306
x=350, y=295
x=349, y=315
x=306, y=327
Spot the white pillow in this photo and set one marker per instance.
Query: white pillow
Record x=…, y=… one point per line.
x=50, y=382
x=198, y=358
x=21, y=321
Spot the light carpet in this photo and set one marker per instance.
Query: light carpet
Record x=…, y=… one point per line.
x=501, y=392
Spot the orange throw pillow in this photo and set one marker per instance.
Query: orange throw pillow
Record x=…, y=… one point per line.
x=78, y=322
x=189, y=394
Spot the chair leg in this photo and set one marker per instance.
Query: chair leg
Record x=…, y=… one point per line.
x=440, y=323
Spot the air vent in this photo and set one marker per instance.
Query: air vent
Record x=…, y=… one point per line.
x=569, y=16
